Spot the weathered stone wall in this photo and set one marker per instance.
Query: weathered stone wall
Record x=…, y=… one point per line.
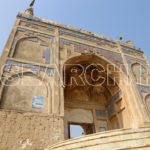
x=29, y=131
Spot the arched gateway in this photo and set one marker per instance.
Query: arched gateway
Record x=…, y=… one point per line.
x=55, y=78
x=93, y=95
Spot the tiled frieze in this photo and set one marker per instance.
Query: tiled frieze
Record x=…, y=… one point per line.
x=131, y=60
x=98, y=41
x=28, y=32
x=131, y=51
x=35, y=24
x=114, y=57
x=33, y=68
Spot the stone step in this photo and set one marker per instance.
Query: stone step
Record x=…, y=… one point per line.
x=137, y=138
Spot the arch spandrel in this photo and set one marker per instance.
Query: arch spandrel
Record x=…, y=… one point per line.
x=33, y=49
x=71, y=49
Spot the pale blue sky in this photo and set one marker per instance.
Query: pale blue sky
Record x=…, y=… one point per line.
x=130, y=18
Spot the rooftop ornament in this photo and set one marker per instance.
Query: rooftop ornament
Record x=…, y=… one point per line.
x=32, y=3
x=29, y=11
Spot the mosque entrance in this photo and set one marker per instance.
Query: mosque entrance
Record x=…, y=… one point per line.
x=92, y=99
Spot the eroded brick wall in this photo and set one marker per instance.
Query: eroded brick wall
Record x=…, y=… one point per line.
x=29, y=131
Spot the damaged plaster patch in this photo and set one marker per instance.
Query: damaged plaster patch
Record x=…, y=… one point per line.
x=25, y=143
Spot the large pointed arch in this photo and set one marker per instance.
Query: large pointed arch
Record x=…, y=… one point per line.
x=104, y=101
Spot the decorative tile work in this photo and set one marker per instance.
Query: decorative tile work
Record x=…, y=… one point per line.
x=50, y=29
x=90, y=37
x=33, y=39
x=25, y=30
x=127, y=49
x=114, y=57
x=142, y=71
x=143, y=89
x=53, y=39
x=129, y=59
x=38, y=21
x=111, y=110
x=39, y=34
x=44, y=35
x=98, y=41
x=30, y=17
x=49, y=71
x=14, y=40
x=115, y=98
x=133, y=52
x=22, y=29
x=31, y=25
x=42, y=43
x=100, y=113
x=143, y=74
x=46, y=55
x=53, y=56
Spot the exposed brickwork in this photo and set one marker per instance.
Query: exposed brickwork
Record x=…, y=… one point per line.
x=29, y=131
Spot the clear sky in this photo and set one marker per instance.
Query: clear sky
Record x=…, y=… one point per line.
x=130, y=18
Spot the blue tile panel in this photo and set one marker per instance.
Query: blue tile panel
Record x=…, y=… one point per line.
x=31, y=17
x=28, y=24
x=33, y=39
x=114, y=57
x=111, y=110
x=31, y=25
x=77, y=33
x=46, y=55
x=73, y=33
x=42, y=43
x=25, y=30
x=38, y=33
x=98, y=41
x=36, y=69
x=129, y=50
x=140, y=55
x=38, y=21
x=115, y=98
x=53, y=56
x=129, y=59
x=14, y=40
x=100, y=113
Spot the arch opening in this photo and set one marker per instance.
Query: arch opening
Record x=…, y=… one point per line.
x=92, y=96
